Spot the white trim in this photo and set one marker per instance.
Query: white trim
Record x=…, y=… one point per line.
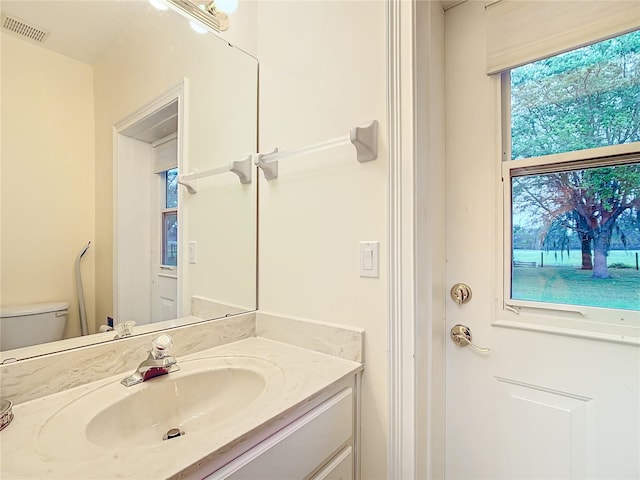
x=601, y=156
x=395, y=313
x=626, y=336
x=183, y=299
x=151, y=107
x=401, y=451
x=357, y=426
x=114, y=220
x=415, y=98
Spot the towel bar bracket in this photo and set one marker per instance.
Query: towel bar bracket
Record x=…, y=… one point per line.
x=242, y=168
x=365, y=139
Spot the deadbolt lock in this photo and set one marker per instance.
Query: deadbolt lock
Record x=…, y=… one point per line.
x=460, y=293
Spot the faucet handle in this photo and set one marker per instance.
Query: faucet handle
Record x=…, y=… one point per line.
x=160, y=346
x=124, y=329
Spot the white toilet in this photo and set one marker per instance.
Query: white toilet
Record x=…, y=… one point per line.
x=25, y=325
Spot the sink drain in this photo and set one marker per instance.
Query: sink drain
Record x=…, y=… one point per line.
x=173, y=433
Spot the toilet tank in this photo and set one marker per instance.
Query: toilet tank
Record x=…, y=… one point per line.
x=26, y=325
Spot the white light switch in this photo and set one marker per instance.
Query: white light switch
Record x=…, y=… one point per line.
x=192, y=252
x=369, y=259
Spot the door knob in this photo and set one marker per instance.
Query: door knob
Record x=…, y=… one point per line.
x=461, y=335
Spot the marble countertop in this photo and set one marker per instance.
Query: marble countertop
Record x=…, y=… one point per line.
x=35, y=446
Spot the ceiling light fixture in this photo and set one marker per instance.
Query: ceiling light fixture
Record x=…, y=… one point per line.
x=208, y=12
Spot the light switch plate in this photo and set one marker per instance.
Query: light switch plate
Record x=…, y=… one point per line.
x=193, y=252
x=370, y=259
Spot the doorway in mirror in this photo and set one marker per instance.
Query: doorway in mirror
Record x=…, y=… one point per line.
x=148, y=212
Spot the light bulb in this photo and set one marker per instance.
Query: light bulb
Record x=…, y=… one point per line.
x=226, y=6
x=196, y=27
x=158, y=5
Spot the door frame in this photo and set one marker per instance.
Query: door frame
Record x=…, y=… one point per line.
x=178, y=93
x=416, y=290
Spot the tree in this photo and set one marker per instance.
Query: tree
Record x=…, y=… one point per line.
x=560, y=237
x=582, y=99
x=586, y=237
x=598, y=196
x=628, y=231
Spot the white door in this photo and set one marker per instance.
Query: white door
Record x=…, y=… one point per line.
x=164, y=303
x=164, y=249
x=537, y=405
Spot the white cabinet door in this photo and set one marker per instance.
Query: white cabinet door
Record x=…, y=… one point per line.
x=538, y=405
x=298, y=449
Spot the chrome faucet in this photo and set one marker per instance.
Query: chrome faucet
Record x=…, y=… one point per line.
x=159, y=362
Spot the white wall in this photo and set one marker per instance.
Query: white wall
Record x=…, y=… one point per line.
x=47, y=204
x=323, y=71
x=220, y=127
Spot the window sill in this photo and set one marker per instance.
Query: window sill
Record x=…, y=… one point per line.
x=572, y=327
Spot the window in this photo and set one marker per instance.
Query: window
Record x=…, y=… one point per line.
x=170, y=218
x=572, y=170
x=582, y=99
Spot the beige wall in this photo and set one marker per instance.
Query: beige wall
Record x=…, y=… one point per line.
x=47, y=203
x=323, y=71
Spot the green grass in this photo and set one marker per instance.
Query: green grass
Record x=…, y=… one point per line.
x=569, y=285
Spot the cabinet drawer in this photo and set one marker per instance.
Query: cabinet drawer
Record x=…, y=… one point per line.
x=339, y=468
x=299, y=448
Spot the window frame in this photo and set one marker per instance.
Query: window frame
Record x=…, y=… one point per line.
x=609, y=324
x=163, y=211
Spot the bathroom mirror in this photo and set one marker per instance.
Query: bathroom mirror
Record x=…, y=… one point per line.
x=99, y=107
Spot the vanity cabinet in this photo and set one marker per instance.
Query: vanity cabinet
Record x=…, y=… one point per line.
x=317, y=445
x=254, y=409
x=339, y=468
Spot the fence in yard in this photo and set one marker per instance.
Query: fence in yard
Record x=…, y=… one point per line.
x=536, y=258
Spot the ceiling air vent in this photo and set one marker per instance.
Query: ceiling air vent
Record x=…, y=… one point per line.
x=20, y=27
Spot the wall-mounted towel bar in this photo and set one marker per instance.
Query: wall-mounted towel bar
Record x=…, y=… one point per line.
x=365, y=139
x=242, y=168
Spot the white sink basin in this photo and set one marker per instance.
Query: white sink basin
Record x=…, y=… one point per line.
x=183, y=402
x=204, y=395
